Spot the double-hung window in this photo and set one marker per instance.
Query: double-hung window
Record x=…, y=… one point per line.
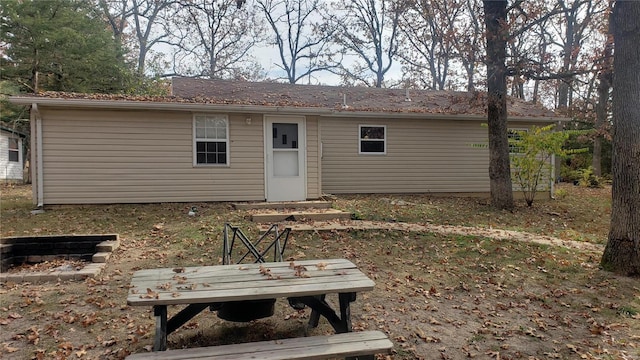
x=515, y=136
x=373, y=139
x=211, y=139
x=14, y=150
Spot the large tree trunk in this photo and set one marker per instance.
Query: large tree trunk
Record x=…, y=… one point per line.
x=604, y=87
x=622, y=253
x=495, y=14
x=601, y=117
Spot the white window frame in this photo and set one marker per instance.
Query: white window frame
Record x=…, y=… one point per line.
x=360, y=139
x=16, y=150
x=196, y=139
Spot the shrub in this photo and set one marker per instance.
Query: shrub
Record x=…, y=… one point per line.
x=531, y=164
x=587, y=179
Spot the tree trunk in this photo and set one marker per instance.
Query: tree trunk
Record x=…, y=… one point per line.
x=495, y=13
x=34, y=72
x=604, y=86
x=596, y=159
x=601, y=117
x=622, y=253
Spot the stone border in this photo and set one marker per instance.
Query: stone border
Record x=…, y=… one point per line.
x=91, y=270
x=441, y=229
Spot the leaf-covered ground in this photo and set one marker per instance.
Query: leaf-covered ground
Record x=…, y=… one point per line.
x=437, y=296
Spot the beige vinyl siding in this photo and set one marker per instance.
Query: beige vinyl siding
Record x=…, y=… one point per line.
x=421, y=156
x=10, y=170
x=313, y=158
x=144, y=156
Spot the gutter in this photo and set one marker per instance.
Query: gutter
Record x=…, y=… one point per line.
x=38, y=154
x=235, y=108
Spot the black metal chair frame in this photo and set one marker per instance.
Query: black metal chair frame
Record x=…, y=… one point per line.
x=250, y=309
x=278, y=244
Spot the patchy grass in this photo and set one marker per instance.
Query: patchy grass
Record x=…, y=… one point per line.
x=582, y=214
x=437, y=296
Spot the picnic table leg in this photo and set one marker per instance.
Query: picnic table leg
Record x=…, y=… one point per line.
x=345, y=309
x=314, y=318
x=160, y=342
x=318, y=305
x=345, y=316
x=184, y=315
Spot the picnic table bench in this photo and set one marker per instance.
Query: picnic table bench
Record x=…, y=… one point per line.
x=306, y=281
x=352, y=344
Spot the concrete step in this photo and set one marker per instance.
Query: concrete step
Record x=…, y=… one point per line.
x=283, y=205
x=324, y=215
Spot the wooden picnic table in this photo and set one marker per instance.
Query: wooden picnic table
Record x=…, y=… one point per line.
x=306, y=281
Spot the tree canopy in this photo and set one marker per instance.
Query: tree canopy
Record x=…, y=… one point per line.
x=60, y=45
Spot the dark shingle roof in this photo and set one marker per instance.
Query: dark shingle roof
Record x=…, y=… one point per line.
x=357, y=98
x=324, y=98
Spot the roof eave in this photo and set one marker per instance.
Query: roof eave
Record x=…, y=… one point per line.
x=239, y=108
x=12, y=131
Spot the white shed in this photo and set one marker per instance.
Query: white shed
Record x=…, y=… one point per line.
x=11, y=154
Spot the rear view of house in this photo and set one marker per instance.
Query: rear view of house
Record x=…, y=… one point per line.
x=11, y=154
x=216, y=140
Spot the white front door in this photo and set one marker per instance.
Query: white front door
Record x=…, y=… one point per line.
x=285, y=160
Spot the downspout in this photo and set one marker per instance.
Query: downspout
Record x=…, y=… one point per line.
x=38, y=155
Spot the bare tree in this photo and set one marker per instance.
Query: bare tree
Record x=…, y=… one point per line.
x=469, y=44
x=622, y=253
x=301, y=34
x=602, y=108
x=139, y=25
x=116, y=13
x=212, y=39
x=367, y=31
x=577, y=16
x=147, y=16
x=437, y=39
x=561, y=31
x=428, y=28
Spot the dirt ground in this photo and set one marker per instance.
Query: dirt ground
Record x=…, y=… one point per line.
x=443, y=290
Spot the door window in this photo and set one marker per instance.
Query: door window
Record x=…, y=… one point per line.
x=285, y=136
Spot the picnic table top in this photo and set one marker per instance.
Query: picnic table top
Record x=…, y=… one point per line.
x=221, y=283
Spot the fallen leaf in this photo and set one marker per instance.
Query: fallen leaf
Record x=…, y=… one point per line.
x=150, y=295
x=109, y=342
x=180, y=279
x=34, y=336
x=264, y=271
x=165, y=286
x=10, y=349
